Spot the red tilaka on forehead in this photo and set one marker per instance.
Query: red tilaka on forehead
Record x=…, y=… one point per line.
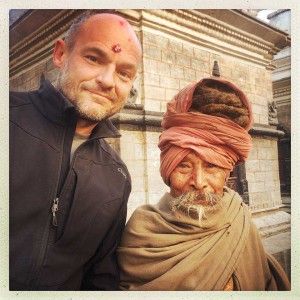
x=116, y=48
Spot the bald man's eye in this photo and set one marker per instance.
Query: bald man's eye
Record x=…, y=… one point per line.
x=125, y=75
x=91, y=58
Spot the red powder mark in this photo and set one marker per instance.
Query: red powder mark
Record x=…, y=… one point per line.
x=122, y=23
x=116, y=48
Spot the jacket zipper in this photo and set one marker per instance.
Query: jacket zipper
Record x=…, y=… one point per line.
x=54, y=210
x=35, y=277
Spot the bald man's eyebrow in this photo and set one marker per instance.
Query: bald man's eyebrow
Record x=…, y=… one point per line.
x=96, y=50
x=126, y=64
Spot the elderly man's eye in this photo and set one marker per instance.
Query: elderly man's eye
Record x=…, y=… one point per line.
x=183, y=166
x=209, y=165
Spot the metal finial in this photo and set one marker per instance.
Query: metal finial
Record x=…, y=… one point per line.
x=216, y=70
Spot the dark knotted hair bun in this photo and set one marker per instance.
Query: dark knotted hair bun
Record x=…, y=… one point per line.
x=218, y=99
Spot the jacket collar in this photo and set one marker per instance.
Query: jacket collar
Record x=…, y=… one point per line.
x=55, y=106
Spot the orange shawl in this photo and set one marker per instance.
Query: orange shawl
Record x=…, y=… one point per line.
x=216, y=140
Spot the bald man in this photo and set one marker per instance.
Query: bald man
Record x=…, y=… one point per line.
x=68, y=188
x=199, y=237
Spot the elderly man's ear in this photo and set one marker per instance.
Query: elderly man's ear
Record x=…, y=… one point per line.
x=227, y=172
x=60, y=53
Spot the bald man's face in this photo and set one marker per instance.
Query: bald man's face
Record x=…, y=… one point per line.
x=99, y=71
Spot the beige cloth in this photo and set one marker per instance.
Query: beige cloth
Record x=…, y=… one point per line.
x=165, y=250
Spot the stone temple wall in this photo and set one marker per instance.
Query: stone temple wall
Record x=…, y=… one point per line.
x=179, y=48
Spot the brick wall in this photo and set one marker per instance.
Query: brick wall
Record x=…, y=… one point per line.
x=168, y=66
x=263, y=174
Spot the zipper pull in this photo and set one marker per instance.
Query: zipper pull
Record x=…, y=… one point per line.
x=54, y=210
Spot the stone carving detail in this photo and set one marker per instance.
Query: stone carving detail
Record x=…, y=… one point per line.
x=273, y=115
x=132, y=95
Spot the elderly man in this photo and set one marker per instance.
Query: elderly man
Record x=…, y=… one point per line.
x=200, y=235
x=68, y=188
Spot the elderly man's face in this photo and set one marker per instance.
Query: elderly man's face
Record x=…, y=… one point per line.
x=94, y=76
x=194, y=174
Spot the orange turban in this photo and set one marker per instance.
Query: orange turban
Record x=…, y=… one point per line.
x=214, y=139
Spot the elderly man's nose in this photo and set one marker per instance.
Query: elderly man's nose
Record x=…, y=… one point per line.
x=198, y=180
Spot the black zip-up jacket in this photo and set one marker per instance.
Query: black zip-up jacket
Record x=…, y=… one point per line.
x=66, y=219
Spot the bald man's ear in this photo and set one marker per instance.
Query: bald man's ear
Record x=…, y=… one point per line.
x=60, y=53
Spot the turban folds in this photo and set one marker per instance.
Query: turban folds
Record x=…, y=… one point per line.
x=214, y=139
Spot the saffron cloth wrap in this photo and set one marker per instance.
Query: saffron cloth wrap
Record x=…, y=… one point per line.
x=216, y=140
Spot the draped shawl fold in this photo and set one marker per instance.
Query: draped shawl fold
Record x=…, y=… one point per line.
x=165, y=250
x=216, y=140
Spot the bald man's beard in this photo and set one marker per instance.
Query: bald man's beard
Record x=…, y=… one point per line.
x=67, y=86
x=197, y=204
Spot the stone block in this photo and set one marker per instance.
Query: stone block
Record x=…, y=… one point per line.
x=227, y=72
x=253, y=153
x=262, y=153
x=187, y=50
x=256, y=187
x=199, y=65
x=168, y=56
x=263, y=119
x=175, y=46
x=183, y=60
x=169, y=82
x=189, y=74
x=201, y=54
x=154, y=92
x=150, y=65
x=177, y=72
x=151, y=79
x=170, y=93
x=152, y=52
x=149, y=38
x=258, y=109
x=200, y=75
x=265, y=165
x=163, y=69
x=260, y=176
x=258, y=198
x=152, y=104
x=265, y=143
x=252, y=165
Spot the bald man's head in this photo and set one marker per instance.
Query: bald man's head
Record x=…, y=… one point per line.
x=106, y=19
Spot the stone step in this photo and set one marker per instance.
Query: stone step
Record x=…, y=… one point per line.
x=273, y=223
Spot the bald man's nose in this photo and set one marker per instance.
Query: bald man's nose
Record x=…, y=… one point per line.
x=106, y=77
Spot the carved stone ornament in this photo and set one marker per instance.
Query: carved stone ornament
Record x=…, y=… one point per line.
x=273, y=115
x=132, y=95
